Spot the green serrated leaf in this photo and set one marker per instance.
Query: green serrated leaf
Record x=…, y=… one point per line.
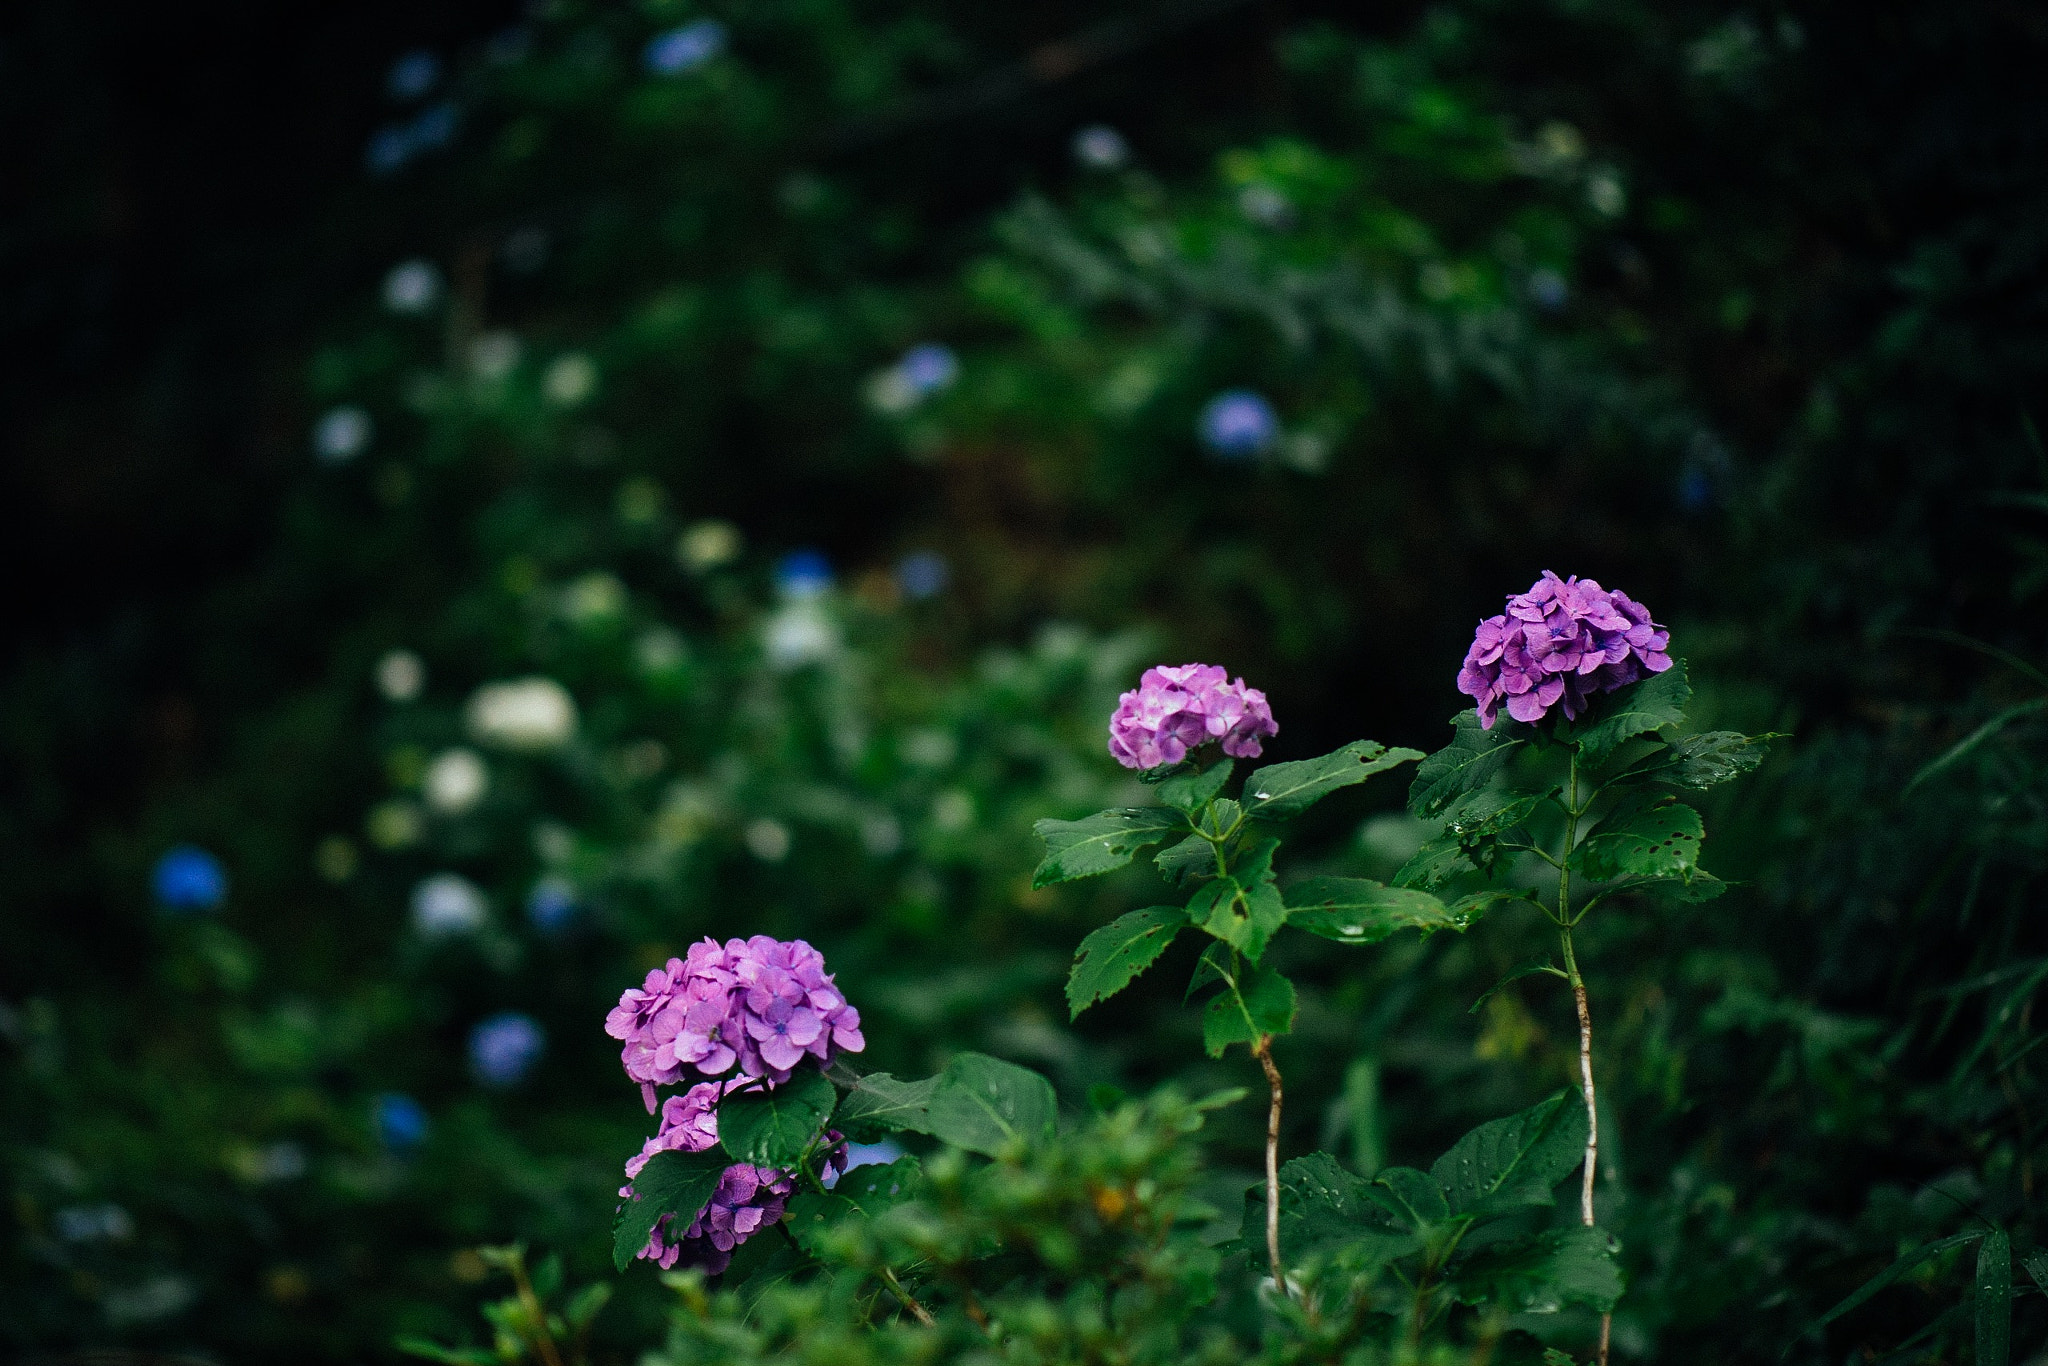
x=1190, y=792
x=1541, y=1275
x=1464, y=765
x=1244, y=908
x=1467, y=910
x=984, y=1104
x=1113, y=955
x=773, y=1128
x=1993, y=1295
x=671, y=1183
x=1327, y=1216
x=1512, y=1163
x=1435, y=863
x=1099, y=843
x=1413, y=1198
x=1656, y=702
x=1192, y=860
x=1656, y=838
x=1703, y=761
x=1259, y=1002
x=879, y=1101
x=1356, y=910
x=1281, y=790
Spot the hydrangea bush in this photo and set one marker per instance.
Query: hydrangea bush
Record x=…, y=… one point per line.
x=1016, y=1227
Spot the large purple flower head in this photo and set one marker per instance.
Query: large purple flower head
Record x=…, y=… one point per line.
x=1177, y=708
x=1560, y=644
x=758, y=1004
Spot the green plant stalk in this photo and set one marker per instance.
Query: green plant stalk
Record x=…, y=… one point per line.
x=1565, y=921
x=543, y=1341
x=1263, y=1051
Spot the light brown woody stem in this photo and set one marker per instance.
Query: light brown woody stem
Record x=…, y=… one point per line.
x=1263, y=1051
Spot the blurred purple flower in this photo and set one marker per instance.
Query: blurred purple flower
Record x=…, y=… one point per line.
x=1561, y=643
x=504, y=1048
x=1238, y=424
x=684, y=49
x=1178, y=708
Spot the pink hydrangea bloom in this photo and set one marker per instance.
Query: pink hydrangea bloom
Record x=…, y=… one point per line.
x=1560, y=644
x=759, y=1005
x=689, y=1124
x=1178, y=708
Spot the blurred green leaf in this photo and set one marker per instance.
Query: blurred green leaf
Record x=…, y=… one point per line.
x=984, y=1105
x=1993, y=1290
x=1512, y=1163
x=1541, y=1275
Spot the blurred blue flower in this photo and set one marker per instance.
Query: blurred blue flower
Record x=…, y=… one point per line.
x=551, y=905
x=434, y=127
x=1101, y=148
x=390, y=148
x=398, y=1121
x=413, y=75
x=1548, y=290
x=412, y=287
x=504, y=1048
x=803, y=574
x=1238, y=424
x=922, y=574
x=929, y=368
x=684, y=49
x=188, y=878
x=341, y=434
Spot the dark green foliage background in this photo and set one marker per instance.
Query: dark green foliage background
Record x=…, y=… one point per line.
x=1791, y=402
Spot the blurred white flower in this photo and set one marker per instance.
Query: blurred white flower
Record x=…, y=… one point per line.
x=342, y=434
x=594, y=598
x=447, y=904
x=800, y=633
x=659, y=651
x=401, y=675
x=881, y=834
x=708, y=545
x=767, y=839
x=107, y=1223
x=1605, y=194
x=412, y=287
x=524, y=714
x=952, y=810
x=493, y=356
x=1101, y=148
x=1264, y=205
x=455, y=781
x=569, y=380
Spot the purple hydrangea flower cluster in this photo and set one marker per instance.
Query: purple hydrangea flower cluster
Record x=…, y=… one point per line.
x=759, y=1004
x=744, y=1013
x=1177, y=708
x=1561, y=643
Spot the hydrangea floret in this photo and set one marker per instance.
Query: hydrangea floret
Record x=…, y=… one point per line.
x=1559, y=645
x=1178, y=708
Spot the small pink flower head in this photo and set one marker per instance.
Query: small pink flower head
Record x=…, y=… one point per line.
x=1178, y=708
x=1561, y=643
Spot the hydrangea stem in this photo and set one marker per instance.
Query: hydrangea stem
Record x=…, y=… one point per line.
x=1263, y=1051
x=1573, y=811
